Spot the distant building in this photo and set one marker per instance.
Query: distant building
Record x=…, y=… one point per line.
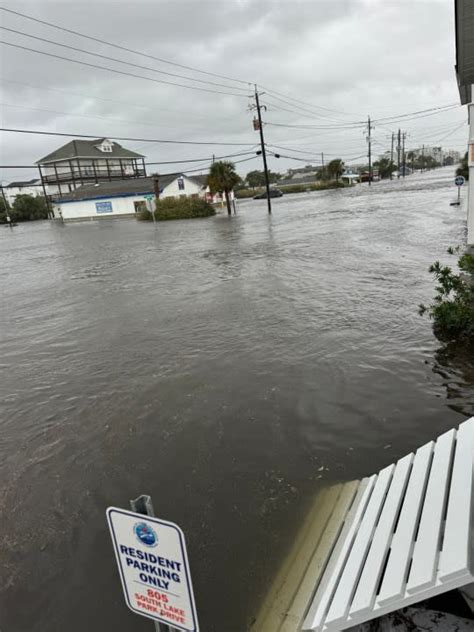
x=428, y=152
x=124, y=198
x=302, y=174
x=81, y=162
x=28, y=187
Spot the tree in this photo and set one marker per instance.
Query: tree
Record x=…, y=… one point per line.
x=385, y=167
x=335, y=168
x=463, y=169
x=223, y=178
x=256, y=178
x=29, y=207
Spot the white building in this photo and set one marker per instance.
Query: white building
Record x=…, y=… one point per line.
x=28, y=187
x=464, y=20
x=82, y=162
x=124, y=198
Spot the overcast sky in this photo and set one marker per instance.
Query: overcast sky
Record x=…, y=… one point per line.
x=344, y=59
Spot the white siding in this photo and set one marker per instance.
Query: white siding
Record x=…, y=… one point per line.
x=87, y=209
x=470, y=184
x=12, y=192
x=173, y=190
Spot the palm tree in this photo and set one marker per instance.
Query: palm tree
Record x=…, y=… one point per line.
x=223, y=178
x=335, y=168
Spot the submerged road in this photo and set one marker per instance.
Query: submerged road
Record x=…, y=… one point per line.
x=227, y=367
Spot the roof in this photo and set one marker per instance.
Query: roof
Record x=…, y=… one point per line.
x=118, y=188
x=464, y=20
x=201, y=179
x=88, y=149
x=20, y=184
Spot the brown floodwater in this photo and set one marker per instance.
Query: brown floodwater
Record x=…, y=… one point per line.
x=227, y=367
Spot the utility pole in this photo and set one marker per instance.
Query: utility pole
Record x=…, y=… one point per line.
x=398, y=153
x=391, y=156
x=369, y=141
x=423, y=158
x=404, y=135
x=262, y=145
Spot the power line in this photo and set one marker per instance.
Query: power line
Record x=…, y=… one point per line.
x=120, y=61
x=88, y=116
x=147, y=164
x=289, y=98
x=119, y=47
x=95, y=98
x=120, y=72
x=138, y=140
x=303, y=111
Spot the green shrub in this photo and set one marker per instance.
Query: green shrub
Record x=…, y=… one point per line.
x=25, y=208
x=181, y=208
x=452, y=309
x=295, y=188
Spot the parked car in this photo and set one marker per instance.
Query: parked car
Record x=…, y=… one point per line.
x=273, y=193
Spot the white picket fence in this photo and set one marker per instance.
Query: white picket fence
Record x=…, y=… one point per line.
x=407, y=536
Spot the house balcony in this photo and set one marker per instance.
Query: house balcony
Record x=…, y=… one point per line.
x=93, y=175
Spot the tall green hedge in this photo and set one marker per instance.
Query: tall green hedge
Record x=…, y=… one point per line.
x=179, y=208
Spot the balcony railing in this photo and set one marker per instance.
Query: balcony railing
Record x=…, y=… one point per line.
x=89, y=175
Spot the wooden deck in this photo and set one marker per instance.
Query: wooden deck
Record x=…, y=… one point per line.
x=370, y=547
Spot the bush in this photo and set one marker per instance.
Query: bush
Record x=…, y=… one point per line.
x=181, y=208
x=28, y=208
x=452, y=310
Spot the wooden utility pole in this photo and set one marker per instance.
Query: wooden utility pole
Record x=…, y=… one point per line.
x=398, y=152
x=391, y=156
x=369, y=141
x=262, y=145
x=404, y=135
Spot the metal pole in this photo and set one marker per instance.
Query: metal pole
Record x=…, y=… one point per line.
x=143, y=505
x=459, y=195
x=264, y=155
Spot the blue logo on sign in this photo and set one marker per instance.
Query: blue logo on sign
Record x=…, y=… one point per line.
x=145, y=534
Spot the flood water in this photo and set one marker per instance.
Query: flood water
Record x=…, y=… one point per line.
x=227, y=367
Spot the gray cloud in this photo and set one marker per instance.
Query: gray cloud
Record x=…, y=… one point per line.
x=363, y=57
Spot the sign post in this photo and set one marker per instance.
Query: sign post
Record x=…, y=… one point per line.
x=153, y=566
x=149, y=197
x=459, y=181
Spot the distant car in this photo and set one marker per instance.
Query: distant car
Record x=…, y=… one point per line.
x=273, y=193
